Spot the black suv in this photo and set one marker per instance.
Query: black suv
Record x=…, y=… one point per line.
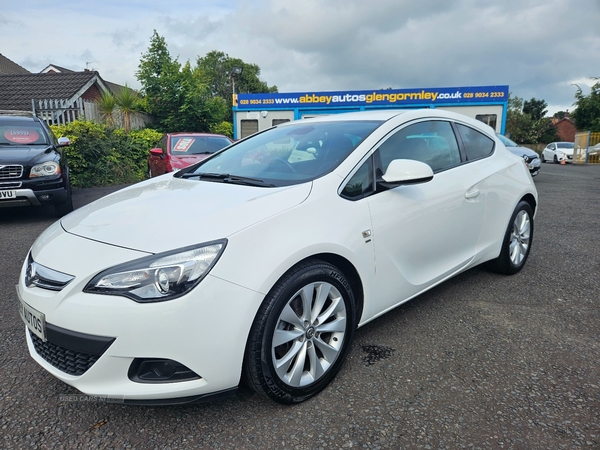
x=33, y=165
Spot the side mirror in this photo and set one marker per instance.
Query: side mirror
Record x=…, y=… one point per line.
x=405, y=171
x=64, y=141
x=156, y=152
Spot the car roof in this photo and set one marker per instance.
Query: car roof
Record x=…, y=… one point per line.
x=384, y=115
x=18, y=118
x=183, y=133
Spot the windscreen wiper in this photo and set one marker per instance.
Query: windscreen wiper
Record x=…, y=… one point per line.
x=227, y=178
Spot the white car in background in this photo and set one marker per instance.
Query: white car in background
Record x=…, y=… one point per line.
x=558, y=151
x=257, y=264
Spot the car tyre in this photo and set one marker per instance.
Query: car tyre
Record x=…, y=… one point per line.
x=517, y=242
x=556, y=160
x=542, y=158
x=65, y=207
x=301, y=334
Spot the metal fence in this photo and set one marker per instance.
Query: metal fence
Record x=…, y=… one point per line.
x=587, y=148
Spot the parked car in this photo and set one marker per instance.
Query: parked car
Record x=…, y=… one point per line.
x=178, y=150
x=271, y=258
x=531, y=158
x=558, y=151
x=33, y=165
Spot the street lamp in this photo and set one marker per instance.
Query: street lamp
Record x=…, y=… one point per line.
x=235, y=72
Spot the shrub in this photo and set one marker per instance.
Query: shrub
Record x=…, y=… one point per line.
x=101, y=156
x=225, y=128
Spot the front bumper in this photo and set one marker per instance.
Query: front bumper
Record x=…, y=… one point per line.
x=205, y=330
x=28, y=197
x=534, y=166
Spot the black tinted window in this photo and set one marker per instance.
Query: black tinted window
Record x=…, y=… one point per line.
x=361, y=182
x=432, y=142
x=477, y=145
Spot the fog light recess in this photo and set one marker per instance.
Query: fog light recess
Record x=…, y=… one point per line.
x=159, y=370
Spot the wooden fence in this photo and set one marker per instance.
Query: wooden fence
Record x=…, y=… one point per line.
x=58, y=111
x=61, y=111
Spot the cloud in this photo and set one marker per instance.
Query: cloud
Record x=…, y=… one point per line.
x=536, y=47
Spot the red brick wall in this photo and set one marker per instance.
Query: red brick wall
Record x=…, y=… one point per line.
x=93, y=93
x=566, y=130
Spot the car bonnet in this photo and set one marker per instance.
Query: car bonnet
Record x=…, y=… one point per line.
x=24, y=155
x=167, y=213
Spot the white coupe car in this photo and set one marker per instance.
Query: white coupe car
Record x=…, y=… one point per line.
x=257, y=264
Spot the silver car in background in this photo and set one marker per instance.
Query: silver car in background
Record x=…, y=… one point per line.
x=531, y=157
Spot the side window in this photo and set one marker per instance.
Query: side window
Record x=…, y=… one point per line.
x=432, y=142
x=477, y=145
x=361, y=182
x=163, y=143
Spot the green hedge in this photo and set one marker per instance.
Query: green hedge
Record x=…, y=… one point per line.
x=101, y=156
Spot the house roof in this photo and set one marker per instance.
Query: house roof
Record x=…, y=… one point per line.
x=8, y=67
x=16, y=91
x=56, y=69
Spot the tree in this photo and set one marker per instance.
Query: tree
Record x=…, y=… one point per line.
x=560, y=115
x=535, y=108
x=218, y=68
x=587, y=112
x=127, y=102
x=526, y=123
x=106, y=104
x=178, y=96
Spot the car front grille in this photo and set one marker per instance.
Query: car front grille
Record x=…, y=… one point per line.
x=68, y=361
x=69, y=351
x=8, y=172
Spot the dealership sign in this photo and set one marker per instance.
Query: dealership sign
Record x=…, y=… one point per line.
x=384, y=97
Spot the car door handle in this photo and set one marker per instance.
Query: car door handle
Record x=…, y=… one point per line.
x=471, y=193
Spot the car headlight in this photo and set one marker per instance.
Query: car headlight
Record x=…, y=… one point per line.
x=159, y=277
x=527, y=159
x=44, y=169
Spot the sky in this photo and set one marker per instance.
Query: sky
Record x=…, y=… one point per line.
x=539, y=48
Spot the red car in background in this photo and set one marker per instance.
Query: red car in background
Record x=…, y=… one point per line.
x=178, y=150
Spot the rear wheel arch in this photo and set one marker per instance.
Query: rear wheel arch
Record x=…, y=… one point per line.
x=531, y=200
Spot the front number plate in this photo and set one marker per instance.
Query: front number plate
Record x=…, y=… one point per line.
x=35, y=320
x=7, y=195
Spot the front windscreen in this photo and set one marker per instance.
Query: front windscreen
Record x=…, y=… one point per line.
x=288, y=154
x=19, y=133
x=506, y=141
x=565, y=145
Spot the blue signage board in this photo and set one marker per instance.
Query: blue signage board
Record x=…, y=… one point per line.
x=384, y=97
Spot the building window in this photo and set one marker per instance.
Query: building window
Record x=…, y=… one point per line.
x=249, y=127
x=488, y=119
x=278, y=121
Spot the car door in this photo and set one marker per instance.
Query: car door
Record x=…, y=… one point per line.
x=161, y=163
x=425, y=232
x=156, y=163
x=550, y=152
